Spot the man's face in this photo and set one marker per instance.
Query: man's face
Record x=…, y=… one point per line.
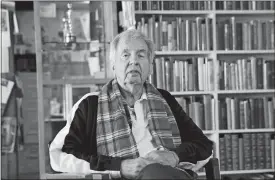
x=132, y=65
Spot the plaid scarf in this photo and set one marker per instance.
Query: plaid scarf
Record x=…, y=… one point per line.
x=114, y=135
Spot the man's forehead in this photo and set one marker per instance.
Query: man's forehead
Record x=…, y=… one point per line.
x=127, y=44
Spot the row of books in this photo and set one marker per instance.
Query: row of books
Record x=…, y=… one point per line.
x=258, y=176
x=254, y=34
x=241, y=113
x=200, y=109
x=178, y=33
x=204, y=5
x=245, y=5
x=246, y=151
x=173, y=5
x=193, y=74
x=250, y=73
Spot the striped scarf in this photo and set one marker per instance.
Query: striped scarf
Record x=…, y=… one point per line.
x=114, y=135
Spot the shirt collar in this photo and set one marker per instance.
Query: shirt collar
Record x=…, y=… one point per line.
x=143, y=96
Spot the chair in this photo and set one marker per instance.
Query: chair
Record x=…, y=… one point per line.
x=212, y=169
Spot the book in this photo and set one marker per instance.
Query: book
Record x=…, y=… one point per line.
x=6, y=88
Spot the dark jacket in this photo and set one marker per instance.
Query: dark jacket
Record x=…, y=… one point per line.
x=81, y=139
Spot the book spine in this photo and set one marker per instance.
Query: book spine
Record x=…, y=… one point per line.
x=199, y=33
x=247, y=151
x=233, y=29
x=157, y=36
x=237, y=76
x=182, y=77
x=164, y=36
x=183, y=35
x=179, y=34
x=266, y=118
x=244, y=73
x=168, y=78
x=222, y=153
x=186, y=76
x=261, y=112
x=228, y=111
x=267, y=145
x=271, y=114
x=254, y=72
x=221, y=75
x=188, y=41
x=272, y=32
x=170, y=37
x=191, y=78
x=233, y=113
x=241, y=152
x=249, y=74
x=265, y=83
x=241, y=115
x=254, y=150
x=158, y=62
x=259, y=73
x=273, y=149
x=235, y=151
x=176, y=75
x=226, y=37
x=207, y=34
x=240, y=72
x=194, y=35
x=260, y=151
x=207, y=112
x=163, y=72
x=200, y=61
x=228, y=152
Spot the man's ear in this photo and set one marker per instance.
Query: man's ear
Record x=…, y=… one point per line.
x=151, y=68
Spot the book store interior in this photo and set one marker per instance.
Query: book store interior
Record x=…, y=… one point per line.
x=198, y=101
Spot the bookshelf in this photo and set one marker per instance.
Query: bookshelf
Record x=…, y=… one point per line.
x=152, y=19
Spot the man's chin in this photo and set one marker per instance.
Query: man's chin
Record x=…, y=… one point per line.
x=133, y=86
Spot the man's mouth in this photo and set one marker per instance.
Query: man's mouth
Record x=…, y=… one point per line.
x=134, y=71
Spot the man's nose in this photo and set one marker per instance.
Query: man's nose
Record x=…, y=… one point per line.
x=134, y=60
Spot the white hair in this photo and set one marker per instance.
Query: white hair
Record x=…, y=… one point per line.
x=131, y=34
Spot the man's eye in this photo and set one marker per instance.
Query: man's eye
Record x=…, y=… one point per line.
x=125, y=55
x=141, y=56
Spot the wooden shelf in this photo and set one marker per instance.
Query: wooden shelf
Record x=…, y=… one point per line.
x=230, y=52
x=55, y=120
x=246, y=131
x=176, y=53
x=252, y=91
x=208, y=131
x=174, y=12
x=244, y=12
x=76, y=81
x=185, y=93
x=254, y=171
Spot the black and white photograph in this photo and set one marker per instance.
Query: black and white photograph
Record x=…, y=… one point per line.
x=138, y=89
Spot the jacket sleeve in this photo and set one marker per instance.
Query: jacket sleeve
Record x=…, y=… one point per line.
x=71, y=151
x=195, y=145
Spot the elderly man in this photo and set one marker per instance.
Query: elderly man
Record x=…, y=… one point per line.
x=130, y=127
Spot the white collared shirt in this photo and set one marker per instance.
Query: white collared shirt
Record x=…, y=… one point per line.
x=140, y=128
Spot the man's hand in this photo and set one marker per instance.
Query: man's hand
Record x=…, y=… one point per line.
x=130, y=168
x=164, y=157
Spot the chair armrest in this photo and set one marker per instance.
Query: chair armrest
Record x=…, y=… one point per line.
x=77, y=176
x=212, y=169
